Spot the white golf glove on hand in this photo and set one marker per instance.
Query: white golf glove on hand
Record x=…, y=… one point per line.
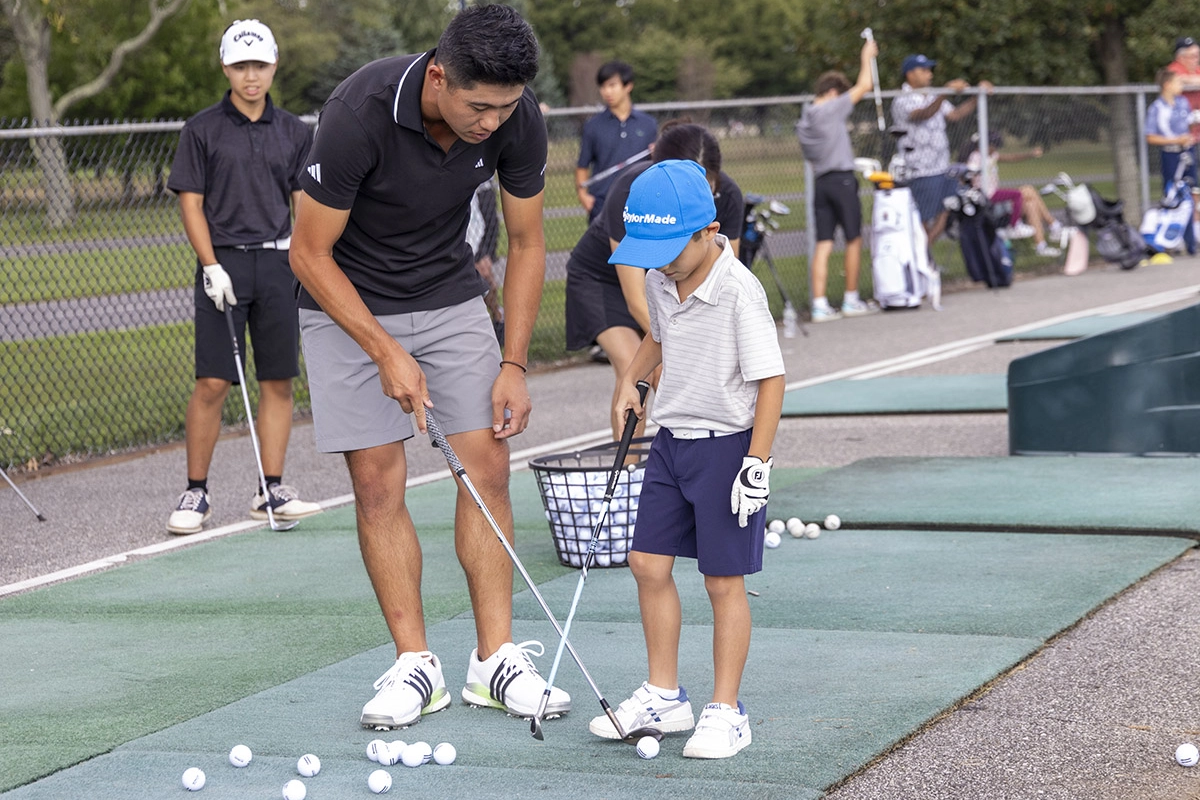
x=751, y=488
x=218, y=286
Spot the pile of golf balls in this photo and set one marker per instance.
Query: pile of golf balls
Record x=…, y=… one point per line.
x=798, y=529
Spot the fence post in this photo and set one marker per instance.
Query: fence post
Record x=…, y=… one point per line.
x=984, y=146
x=1143, y=151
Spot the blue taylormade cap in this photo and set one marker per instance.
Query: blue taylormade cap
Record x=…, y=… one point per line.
x=913, y=62
x=667, y=204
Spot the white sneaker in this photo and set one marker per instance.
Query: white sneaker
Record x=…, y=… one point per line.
x=858, y=308
x=1043, y=249
x=413, y=686
x=646, y=709
x=285, y=502
x=191, y=512
x=720, y=732
x=510, y=681
x=825, y=314
x=1022, y=230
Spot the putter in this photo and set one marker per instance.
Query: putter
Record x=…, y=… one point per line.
x=21, y=494
x=535, y=725
x=439, y=441
x=262, y=477
x=615, y=168
x=870, y=37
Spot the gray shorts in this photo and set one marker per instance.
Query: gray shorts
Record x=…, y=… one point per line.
x=456, y=348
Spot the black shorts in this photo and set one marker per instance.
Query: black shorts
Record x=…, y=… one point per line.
x=835, y=202
x=266, y=300
x=594, y=303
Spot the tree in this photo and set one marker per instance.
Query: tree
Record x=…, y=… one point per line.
x=32, y=25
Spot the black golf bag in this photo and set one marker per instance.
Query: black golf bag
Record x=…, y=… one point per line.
x=974, y=222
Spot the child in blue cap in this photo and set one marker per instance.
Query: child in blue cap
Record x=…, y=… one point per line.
x=706, y=483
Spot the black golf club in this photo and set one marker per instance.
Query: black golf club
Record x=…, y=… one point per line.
x=262, y=477
x=535, y=725
x=439, y=441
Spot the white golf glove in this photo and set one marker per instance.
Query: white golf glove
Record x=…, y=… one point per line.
x=218, y=286
x=751, y=488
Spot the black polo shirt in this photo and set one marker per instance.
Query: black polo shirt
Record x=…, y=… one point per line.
x=246, y=170
x=404, y=247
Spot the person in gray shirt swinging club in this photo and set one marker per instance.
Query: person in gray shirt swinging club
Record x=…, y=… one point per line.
x=393, y=322
x=235, y=173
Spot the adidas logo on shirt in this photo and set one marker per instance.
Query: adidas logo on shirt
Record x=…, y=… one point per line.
x=479, y=164
x=315, y=171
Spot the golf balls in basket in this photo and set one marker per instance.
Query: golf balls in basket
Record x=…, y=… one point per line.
x=193, y=779
x=647, y=746
x=445, y=754
x=308, y=765
x=1187, y=755
x=776, y=525
x=771, y=540
x=795, y=527
x=379, y=781
x=294, y=790
x=812, y=530
x=240, y=755
x=833, y=522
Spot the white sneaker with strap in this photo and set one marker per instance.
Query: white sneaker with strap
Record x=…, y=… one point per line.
x=509, y=680
x=721, y=732
x=647, y=709
x=411, y=687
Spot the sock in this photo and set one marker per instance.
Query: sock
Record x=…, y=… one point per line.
x=821, y=303
x=273, y=480
x=850, y=297
x=201, y=484
x=665, y=694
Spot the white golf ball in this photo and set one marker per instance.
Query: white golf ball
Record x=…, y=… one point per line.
x=193, y=779
x=833, y=522
x=412, y=756
x=308, y=765
x=426, y=752
x=795, y=527
x=647, y=746
x=812, y=530
x=391, y=754
x=445, y=754
x=1186, y=755
x=240, y=755
x=771, y=540
x=294, y=790
x=776, y=525
x=376, y=748
x=379, y=781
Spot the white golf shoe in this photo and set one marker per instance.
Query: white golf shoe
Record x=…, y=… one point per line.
x=509, y=680
x=411, y=687
x=285, y=503
x=190, y=512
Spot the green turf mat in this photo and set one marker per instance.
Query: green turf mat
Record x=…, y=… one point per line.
x=907, y=394
x=1119, y=495
x=1084, y=326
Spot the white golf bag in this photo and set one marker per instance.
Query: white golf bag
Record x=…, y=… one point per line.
x=900, y=267
x=1163, y=226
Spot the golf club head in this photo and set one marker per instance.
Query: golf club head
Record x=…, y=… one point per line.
x=284, y=526
x=637, y=734
x=535, y=729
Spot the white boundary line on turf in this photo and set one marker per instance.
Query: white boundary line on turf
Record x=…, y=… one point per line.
x=520, y=459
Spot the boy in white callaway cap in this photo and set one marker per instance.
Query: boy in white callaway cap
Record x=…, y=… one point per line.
x=236, y=176
x=705, y=490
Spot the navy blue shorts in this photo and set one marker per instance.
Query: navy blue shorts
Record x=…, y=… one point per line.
x=266, y=303
x=929, y=192
x=684, y=506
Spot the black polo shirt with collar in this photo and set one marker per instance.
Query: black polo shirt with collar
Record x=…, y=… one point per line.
x=404, y=247
x=246, y=170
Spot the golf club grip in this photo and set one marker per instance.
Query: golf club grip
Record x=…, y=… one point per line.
x=439, y=441
x=232, y=332
x=631, y=421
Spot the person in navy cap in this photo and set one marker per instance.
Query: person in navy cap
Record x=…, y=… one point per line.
x=923, y=115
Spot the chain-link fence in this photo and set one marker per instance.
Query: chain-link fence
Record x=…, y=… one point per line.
x=95, y=287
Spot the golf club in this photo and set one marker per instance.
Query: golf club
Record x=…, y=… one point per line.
x=870, y=37
x=535, y=726
x=615, y=168
x=21, y=494
x=262, y=477
x=439, y=441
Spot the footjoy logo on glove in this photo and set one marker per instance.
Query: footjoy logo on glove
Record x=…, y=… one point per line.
x=647, y=219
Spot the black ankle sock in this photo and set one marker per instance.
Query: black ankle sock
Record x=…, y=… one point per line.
x=273, y=480
x=201, y=484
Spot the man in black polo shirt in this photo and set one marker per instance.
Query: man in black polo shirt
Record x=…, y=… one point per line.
x=393, y=321
x=235, y=173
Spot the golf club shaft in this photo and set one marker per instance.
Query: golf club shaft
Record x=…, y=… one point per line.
x=622, y=450
x=615, y=168
x=787, y=298
x=241, y=373
x=439, y=440
x=21, y=494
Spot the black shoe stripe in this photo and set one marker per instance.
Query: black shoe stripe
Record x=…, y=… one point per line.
x=501, y=681
x=418, y=680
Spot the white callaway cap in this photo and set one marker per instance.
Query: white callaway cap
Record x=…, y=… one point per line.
x=248, y=40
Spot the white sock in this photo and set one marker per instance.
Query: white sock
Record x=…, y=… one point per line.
x=665, y=694
x=820, y=303
x=850, y=297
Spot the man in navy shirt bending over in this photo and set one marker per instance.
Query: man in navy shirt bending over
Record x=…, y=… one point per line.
x=393, y=321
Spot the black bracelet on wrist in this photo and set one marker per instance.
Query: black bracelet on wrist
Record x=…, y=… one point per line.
x=516, y=364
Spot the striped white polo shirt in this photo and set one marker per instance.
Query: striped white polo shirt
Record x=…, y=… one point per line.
x=716, y=346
